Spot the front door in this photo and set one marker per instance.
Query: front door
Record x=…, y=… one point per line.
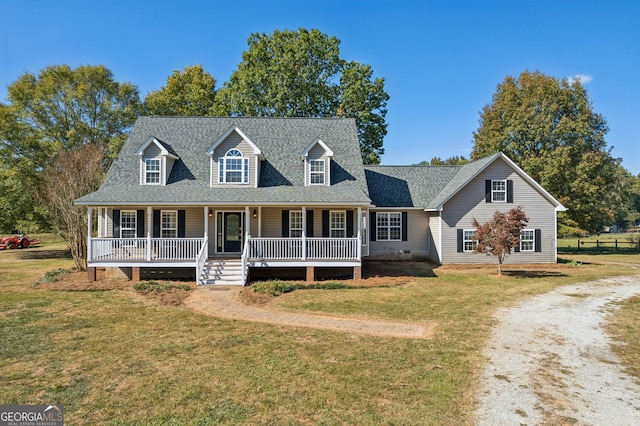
x=232, y=225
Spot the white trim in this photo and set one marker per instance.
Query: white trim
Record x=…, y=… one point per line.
x=499, y=191
x=388, y=226
x=309, y=147
x=464, y=240
x=244, y=137
x=312, y=172
x=344, y=221
x=135, y=223
x=532, y=240
x=155, y=141
x=162, y=228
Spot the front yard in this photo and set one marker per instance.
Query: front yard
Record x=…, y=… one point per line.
x=111, y=356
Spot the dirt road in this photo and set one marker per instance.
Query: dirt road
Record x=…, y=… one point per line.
x=550, y=361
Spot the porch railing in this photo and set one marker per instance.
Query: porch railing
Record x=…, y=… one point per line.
x=141, y=249
x=304, y=249
x=202, y=260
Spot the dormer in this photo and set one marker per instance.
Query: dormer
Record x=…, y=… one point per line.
x=234, y=160
x=317, y=161
x=156, y=161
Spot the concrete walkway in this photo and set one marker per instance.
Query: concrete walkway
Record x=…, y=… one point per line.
x=224, y=302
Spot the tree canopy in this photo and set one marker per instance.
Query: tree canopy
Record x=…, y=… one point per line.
x=300, y=74
x=60, y=109
x=548, y=127
x=190, y=92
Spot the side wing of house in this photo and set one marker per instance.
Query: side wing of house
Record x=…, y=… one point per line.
x=500, y=187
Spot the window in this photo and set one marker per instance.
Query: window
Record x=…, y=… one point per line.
x=316, y=172
x=389, y=226
x=469, y=244
x=337, y=224
x=364, y=234
x=527, y=240
x=169, y=224
x=499, y=191
x=234, y=168
x=151, y=171
x=295, y=224
x=128, y=224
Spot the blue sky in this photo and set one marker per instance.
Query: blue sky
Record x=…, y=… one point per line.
x=441, y=60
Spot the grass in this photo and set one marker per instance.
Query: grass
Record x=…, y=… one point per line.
x=623, y=326
x=112, y=359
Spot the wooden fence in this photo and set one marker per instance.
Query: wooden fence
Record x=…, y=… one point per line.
x=599, y=246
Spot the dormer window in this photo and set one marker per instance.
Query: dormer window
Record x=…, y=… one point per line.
x=234, y=168
x=152, y=171
x=316, y=172
x=498, y=191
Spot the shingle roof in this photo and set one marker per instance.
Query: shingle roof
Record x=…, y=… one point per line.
x=281, y=140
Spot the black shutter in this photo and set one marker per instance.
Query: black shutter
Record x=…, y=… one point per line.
x=372, y=226
x=325, y=223
x=516, y=249
x=140, y=232
x=509, y=191
x=487, y=190
x=116, y=223
x=285, y=223
x=405, y=226
x=349, y=223
x=309, y=231
x=181, y=223
x=538, y=236
x=156, y=224
x=460, y=240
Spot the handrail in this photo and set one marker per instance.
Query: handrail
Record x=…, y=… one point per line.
x=202, y=259
x=314, y=248
x=245, y=255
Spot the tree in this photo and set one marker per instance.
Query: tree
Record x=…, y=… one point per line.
x=190, y=92
x=548, y=127
x=60, y=109
x=300, y=74
x=500, y=235
x=80, y=172
x=451, y=161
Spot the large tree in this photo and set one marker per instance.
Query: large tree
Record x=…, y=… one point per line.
x=300, y=74
x=190, y=92
x=59, y=109
x=548, y=127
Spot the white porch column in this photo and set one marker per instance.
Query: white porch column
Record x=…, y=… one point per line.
x=247, y=224
x=259, y=221
x=359, y=233
x=89, y=226
x=149, y=228
x=304, y=233
x=206, y=222
x=100, y=221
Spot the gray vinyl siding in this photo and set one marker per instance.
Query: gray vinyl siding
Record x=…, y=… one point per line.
x=417, y=244
x=317, y=153
x=234, y=140
x=434, y=236
x=470, y=203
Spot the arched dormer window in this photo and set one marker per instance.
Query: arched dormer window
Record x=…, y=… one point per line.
x=234, y=167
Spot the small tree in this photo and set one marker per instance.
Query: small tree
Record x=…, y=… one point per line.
x=501, y=234
x=73, y=174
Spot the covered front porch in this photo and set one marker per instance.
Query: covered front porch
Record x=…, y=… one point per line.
x=257, y=237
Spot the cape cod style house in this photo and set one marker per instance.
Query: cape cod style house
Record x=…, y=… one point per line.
x=228, y=195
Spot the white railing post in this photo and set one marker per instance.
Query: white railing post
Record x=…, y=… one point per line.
x=89, y=226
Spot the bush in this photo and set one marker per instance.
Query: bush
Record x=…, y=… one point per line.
x=52, y=276
x=154, y=286
x=276, y=288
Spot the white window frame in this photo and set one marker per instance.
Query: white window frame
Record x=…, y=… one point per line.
x=150, y=172
x=338, y=224
x=230, y=158
x=364, y=234
x=387, y=228
x=528, y=240
x=468, y=243
x=295, y=224
x=128, y=223
x=165, y=230
x=498, y=191
x=320, y=174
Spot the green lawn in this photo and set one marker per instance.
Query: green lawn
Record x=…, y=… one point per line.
x=111, y=358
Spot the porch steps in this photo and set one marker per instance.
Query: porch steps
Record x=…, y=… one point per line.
x=222, y=272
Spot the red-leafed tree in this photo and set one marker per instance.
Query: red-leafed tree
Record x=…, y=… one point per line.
x=500, y=235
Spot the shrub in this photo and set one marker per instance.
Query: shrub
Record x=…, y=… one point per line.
x=52, y=276
x=154, y=286
x=276, y=288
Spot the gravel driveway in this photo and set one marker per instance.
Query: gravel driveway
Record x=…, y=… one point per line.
x=550, y=361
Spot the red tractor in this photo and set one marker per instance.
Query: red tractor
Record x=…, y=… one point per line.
x=17, y=241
